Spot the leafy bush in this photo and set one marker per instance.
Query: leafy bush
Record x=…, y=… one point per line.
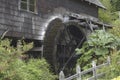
x=113, y=70
x=13, y=67
x=116, y=29
x=105, y=15
x=111, y=13
x=32, y=70
x=99, y=44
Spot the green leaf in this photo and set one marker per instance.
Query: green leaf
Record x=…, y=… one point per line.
x=89, y=52
x=101, y=51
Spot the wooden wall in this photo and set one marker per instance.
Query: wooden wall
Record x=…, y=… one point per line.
x=76, y=6
x=30, y=25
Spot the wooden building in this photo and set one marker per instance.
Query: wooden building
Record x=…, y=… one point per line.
x=56, y=27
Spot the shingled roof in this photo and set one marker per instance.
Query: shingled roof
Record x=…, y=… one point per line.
x=97, y=3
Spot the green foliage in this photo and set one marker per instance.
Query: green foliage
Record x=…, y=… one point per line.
x=110, y=14
x=116, y=4
x=116, y=31
x=113, y=70
x=32, y=70
x=99, y=44
x=13, y=67
x=105, y=15
x=107, y=4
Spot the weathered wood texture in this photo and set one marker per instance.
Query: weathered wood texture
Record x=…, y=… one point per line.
x=76, y=6
x=30, y=25
x=20, y=23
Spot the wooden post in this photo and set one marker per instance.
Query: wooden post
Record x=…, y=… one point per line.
x=108, y=60
x=78, y=71
x=61, y=76
x=42, y=51
x=94, y=70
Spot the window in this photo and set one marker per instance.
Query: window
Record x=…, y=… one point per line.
x=28, y=5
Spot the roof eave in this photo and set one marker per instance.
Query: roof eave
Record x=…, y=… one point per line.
x=100, y=5
x=103, y=7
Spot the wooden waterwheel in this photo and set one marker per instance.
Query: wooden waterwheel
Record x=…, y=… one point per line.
x=60, y=43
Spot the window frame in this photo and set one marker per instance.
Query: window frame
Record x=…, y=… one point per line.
x=28, y=6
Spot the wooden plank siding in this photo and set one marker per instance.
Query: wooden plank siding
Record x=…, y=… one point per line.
x=20, y=23
x=75, y=6
x=30, y=25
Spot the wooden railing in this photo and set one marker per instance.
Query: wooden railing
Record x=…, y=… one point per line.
x=79, y=73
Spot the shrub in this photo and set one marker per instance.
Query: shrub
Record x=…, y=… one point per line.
x=116, y=28
x=113, y=70
x=97, y=47
x=13, y=67
x=34, y=69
